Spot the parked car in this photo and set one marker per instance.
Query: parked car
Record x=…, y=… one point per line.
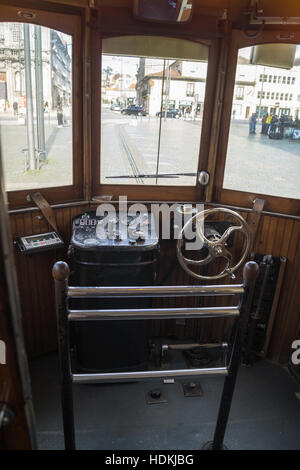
x=134, y=110
x=115, y=107
x=172, y=113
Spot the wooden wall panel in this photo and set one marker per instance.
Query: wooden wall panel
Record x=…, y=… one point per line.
x=280, y=237
x=276, y=235
x=287, y=322
x=35, y=279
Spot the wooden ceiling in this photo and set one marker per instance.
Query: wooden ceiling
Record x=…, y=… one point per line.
x=234, y=8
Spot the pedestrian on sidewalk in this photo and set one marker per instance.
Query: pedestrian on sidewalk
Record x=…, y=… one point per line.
x=268, y=122
x=15, y=108
x=263, y=124
x=59, y=110
x=252, y=124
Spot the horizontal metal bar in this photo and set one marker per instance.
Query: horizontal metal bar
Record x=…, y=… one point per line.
x=54, y=206
x=186, y=346
x=155, y=291
x=157, y=313
x=149, y=374
x=126, y=265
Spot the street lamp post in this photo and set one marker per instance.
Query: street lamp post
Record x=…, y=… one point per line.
x=167, y=89
x=29, y=104
x=261, y=92
x=39, y=91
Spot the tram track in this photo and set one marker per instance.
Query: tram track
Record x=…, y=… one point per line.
x=129, y=155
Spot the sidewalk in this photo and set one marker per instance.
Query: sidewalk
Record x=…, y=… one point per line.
x=8, y=117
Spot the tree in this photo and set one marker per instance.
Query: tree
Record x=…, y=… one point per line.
x=108, y=71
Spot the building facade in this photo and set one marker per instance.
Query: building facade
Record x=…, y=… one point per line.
x=258, y=89
x=119, y=89
x=177, y=85
x=266, y=90
x=56, y=65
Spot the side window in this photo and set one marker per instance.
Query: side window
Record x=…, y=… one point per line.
x=263, y=155
x=151, y=111
x=35, y=106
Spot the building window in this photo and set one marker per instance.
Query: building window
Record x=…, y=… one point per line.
x=291, y=97
x=283, y=80
x=263, y=78
x=16, y=32
x=279, y=79
x=190, y=89
x=268, y=95
x=270, y=78
x=272, y=95
x=240, y=93
x=18, y=81
x=166, y=87
x=286, y=96
x=275, y=79
x=293, y=80
x=288, y=80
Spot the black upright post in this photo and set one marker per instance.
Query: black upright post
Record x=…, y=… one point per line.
x=61, y=274
x=250, y=274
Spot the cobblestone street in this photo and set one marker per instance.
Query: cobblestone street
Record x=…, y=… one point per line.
x=129, y=144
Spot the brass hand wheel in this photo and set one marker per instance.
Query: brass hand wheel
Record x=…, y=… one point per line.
x=217, y=246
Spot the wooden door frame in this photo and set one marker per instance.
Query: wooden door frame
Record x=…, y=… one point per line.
x=69, y=23
x=101, y=30
x=15, y=388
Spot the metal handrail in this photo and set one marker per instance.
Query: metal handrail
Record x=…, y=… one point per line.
x=153, y=313
x=63, y=293
x=155, y=291
x=148, y=374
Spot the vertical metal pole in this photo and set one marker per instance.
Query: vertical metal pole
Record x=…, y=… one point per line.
x=261, y=92
x=61, y=273
x=29, y=104
x=39, y=89
x=251, y=271
x=167, y=90
x=20, y=61
x=160, y=120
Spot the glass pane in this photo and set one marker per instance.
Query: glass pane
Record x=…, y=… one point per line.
x=182, y=111
x=129, y=136
x=35, y=106
x=151, y=119
x=263, y=153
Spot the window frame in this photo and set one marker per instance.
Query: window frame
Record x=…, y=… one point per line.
x=236, y=197
x=149, y=192
x=68, y=23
